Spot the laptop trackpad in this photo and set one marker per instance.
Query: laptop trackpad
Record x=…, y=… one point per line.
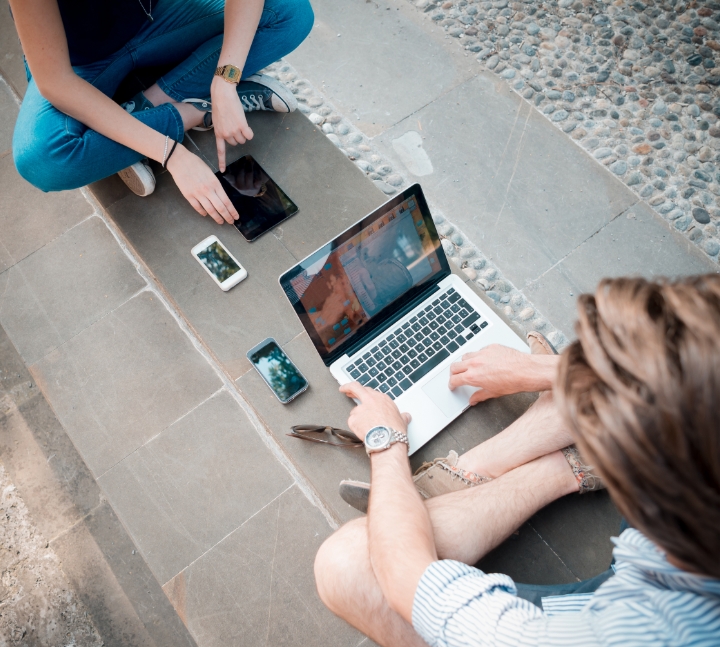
x=451, y=403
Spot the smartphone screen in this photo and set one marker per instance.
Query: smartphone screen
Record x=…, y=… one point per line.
x=260, y=202
x=218, y=261
x=279, y=372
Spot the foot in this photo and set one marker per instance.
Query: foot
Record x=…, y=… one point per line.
x=539, y=344
x=587, y=481
x=432, y=479
x=139, y=178
x=262, y=92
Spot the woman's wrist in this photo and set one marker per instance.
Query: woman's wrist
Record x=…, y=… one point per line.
x=178, y=155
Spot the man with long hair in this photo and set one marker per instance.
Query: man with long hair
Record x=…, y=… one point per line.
x=638, y=393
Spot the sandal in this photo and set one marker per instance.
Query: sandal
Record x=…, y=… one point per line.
x=440, y=476
x=587, y=481
x=348, y=438
x=539, y=344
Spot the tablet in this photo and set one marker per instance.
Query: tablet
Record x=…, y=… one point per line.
x=261, y=203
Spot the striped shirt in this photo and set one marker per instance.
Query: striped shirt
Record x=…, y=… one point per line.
x=647, y=602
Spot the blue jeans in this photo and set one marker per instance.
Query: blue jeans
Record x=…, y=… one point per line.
x=55, y=152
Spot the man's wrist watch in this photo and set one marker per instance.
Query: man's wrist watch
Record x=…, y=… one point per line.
x=229, y=73
x=379, y=439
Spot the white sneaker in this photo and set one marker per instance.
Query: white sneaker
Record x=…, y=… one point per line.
x=139, y=178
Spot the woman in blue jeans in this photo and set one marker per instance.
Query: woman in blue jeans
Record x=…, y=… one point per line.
x=70, y=133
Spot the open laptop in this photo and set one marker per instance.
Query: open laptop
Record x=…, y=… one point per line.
x=382, y=307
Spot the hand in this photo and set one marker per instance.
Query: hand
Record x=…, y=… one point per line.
x=375, y=410
x=498, y=370
x=200, y=187
x=228, y=116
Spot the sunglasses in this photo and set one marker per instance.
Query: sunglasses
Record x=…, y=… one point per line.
x=313, y=434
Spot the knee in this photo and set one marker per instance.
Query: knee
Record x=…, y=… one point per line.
x=35, y=166
x=300, y=12
x=337, y=563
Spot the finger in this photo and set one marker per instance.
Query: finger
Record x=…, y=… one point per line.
x=197, y=206
x=353, y=390
x=458, y=379
x=220, y=207
x=236, y=138
x=458, y=367
x=247, y=132
x=228, y=203
x=480, y=396
x=468, y=356
x=220, y=143
x=406, y=417
x=211, y=211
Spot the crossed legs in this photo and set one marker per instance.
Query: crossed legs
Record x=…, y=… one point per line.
x=529, y=472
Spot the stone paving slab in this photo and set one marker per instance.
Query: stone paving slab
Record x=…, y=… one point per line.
x=163, y=228
x=9, y=108
x=29, y=218
x=378, y=61
x=193, y=484
x=256, y=587
x=100, y=565
x=637, y=242
x=53, y=294
x=123, y=380
x=517, y=187
x=12, y=67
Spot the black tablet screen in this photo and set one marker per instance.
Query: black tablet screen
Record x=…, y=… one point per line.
x=261, y=203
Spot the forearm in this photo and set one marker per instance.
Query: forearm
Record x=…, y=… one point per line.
x=399, y=530
x=77, y=98
x=241, y=21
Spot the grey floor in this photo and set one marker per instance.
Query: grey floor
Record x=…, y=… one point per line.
x=141, y=364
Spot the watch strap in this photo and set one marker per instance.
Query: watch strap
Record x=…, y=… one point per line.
x=229, y=73
x=395, y=437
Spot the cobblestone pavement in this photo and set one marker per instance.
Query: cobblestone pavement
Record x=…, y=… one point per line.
x=634, y=84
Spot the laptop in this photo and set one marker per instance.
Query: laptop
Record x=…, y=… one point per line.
x=382, y=307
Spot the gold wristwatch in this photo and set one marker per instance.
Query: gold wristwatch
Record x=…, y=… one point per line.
x=230, y=73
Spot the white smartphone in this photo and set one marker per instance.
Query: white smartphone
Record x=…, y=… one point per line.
x=219, y=263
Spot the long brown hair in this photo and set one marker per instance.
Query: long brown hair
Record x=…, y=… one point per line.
x=641, y=390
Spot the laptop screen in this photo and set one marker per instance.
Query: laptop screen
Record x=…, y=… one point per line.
x=359, y=278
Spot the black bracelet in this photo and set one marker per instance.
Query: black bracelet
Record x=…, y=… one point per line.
x=167, y=159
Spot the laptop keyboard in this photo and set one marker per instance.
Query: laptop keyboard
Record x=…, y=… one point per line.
x=416, y=347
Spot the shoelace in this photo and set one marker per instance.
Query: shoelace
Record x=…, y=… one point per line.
x=258, y=103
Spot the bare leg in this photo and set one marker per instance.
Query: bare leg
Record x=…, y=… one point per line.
x=191, y=116
x=539, y=431
x=466, y=524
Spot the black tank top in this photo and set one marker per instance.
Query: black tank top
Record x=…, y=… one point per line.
x=97, y=28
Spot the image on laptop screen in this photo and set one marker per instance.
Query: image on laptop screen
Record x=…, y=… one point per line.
x=342, y=288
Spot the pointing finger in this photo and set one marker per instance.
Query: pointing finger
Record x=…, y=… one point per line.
x=220, y=142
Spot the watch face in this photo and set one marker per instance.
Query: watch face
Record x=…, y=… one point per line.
x=378, y=437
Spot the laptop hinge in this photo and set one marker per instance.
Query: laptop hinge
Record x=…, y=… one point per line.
x=410, y=305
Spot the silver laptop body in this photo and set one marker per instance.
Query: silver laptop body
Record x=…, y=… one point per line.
x=382, y=307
